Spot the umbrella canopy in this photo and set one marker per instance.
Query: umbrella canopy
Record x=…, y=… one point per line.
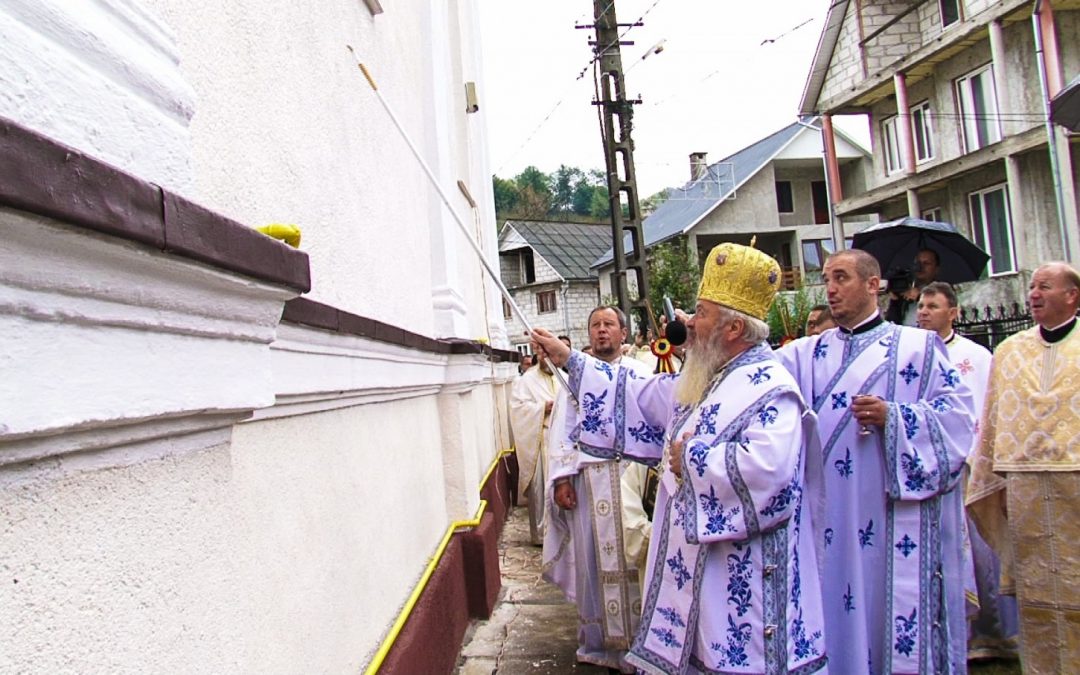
x=1065, y=108
x=896, y=242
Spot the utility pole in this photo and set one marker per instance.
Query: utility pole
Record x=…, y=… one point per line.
x=617, y=114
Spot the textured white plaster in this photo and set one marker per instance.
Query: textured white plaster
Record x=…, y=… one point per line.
x=288, y=130
x=102, y=332
x=102, y=76
x=286, y=553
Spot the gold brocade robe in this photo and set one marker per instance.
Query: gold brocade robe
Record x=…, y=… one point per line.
x=1025, y=490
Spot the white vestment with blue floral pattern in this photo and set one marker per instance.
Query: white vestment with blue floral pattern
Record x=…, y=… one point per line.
x=732, y=579
x=893, y=569
x=584, y=552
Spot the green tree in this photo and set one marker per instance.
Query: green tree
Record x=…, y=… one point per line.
x=565, y=182
x=653, y=202
x=507, y=195
x=674, y=272
x=535, y=179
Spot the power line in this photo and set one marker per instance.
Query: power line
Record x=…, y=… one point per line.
x=559, y=103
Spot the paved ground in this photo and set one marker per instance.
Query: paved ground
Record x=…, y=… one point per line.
x=533, y=629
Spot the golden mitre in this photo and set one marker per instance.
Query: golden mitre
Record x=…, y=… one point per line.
x=740, y=277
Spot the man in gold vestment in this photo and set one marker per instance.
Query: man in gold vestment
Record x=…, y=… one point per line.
x=1024, y=493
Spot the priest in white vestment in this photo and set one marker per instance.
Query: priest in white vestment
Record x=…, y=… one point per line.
x=992, y=629
x=896, y=424
x=584, y=552
x=531, y=401
x=732, y=579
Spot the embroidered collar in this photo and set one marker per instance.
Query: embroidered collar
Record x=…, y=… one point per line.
x=864, y=327
x=1058, y=334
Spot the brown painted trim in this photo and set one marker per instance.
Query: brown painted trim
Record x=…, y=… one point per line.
x=318, y=315
x=42, y=176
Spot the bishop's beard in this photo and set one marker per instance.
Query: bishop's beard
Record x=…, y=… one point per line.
x=703, y=361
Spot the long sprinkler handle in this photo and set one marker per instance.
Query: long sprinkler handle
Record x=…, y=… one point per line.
x=453, y=212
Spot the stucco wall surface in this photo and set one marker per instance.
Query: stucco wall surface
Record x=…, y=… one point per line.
x=287, y=130
x=285, y=553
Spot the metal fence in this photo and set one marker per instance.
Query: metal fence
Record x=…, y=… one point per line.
x=990, y=326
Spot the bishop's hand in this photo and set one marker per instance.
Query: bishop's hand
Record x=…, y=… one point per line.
x=557, y=351
x=675, y=455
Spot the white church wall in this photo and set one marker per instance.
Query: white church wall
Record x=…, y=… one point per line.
x=148, y=532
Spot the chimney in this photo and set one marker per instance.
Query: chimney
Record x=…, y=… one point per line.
x=698, y=167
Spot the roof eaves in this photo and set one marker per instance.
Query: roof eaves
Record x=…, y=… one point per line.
x=815, y=79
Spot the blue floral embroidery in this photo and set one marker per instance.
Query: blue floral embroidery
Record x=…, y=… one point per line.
x=678, y=569
x=886, y=341
x=828, y=536
x=720, y=520
x=707, y=422
x=849, y=600
x=593, y=406
x=911, y=423
x=768, y=415
x=762, y=375
x=843, y=466
x=698, y=452
x=672, y=616
x=909, y=373
x=781, y=500
x=839, y=400
x=949, y=375
x=683, y=510
x=605, y=368
x=906, y=546
x=866, y=537
x=804, y=646
x=917, y=478
x=666, y=636
x=907, y=630
x=734, y=654
x=739, y=573
x=941, y=404
x=646, y=433
x=821, y=350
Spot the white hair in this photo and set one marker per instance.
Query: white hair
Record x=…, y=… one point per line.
x=754, y=330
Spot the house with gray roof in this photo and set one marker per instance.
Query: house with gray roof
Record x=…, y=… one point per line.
x=773, y=189
x=955, y=92
x=547, y=268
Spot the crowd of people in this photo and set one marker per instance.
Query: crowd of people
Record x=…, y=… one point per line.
x=803, y=509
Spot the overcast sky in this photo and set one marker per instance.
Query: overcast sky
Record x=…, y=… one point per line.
x=714, y=88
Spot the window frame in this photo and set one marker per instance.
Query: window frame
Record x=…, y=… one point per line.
x=959, y=13
x=790, y=195
x=970, y=117
x=925, y=124
x=980, y=233
x=934, y=214
x=540, y=302
x=891, y=155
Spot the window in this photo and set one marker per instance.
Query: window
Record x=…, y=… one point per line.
x=545, y=302
x=820, y=195
x=528, y=266
x=991, y=227
x=890, y=146
x=950, y=12
x=507, y=311
x=923, y=130
x=785, y=202
x=933, y=214
x=525, y=349
x=978, y=104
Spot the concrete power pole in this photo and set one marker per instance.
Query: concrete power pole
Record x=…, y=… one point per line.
x=619, y=158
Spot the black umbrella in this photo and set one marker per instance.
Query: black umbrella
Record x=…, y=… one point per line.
x=896, y=242
x=1065, y=108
